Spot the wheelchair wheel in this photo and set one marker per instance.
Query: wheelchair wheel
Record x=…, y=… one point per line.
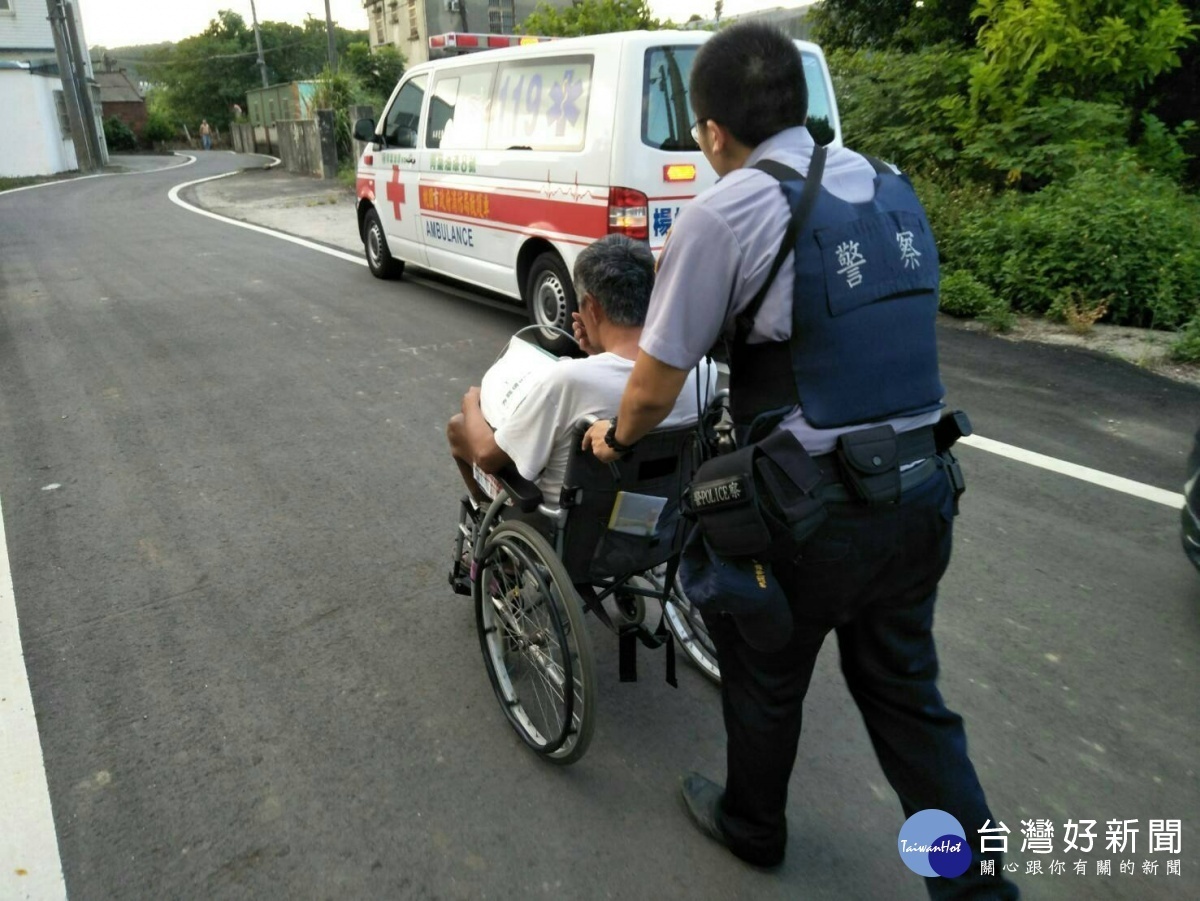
x=689, y=630
x=535, y=642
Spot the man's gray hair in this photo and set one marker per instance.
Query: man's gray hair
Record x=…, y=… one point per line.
x=618, y=272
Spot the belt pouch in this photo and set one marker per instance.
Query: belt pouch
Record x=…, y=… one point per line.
x=870, y=464
x=790, y=480
x=724, y=498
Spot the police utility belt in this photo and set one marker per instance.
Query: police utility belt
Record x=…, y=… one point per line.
x=772, y=495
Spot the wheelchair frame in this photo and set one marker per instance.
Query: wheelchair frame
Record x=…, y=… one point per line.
x=530, y=602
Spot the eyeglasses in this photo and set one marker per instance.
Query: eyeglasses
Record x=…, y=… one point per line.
x=696, y=127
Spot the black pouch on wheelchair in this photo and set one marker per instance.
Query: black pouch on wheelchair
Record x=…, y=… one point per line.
x=757, y=497
x=870, y=463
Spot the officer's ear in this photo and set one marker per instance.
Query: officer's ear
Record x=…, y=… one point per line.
x=718, y=136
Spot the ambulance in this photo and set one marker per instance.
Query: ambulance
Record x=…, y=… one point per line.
x=497, y=168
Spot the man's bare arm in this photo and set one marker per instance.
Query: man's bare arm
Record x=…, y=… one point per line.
x=477, y=439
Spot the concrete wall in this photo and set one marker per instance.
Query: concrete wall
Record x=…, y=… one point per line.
x=241, y=135
x=300, y=146
x=31, y=142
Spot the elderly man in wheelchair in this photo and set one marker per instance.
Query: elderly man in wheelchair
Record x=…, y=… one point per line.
x=547, y=532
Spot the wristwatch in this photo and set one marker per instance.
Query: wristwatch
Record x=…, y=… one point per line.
x=610, y=438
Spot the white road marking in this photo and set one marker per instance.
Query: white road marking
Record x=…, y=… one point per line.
x=262, y=230
x=1075, y=471
x=30, y=866
x=188, y=160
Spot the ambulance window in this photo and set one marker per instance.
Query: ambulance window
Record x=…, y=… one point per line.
x=457, y=118
x=666, y=115
x=819, y=119
x=400, y=128
x=540, y=104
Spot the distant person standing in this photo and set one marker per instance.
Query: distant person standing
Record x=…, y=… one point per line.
x=205, y=134
x=237, y=111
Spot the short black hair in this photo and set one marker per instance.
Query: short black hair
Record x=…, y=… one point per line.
x=749, y=77
x=618, y=272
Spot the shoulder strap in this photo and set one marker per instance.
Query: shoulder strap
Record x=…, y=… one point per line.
x=808, y=197
x=878, y=165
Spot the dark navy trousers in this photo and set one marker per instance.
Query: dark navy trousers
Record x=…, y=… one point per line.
x=870, y=575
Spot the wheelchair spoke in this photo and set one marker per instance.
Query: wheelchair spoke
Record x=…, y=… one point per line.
x=538, y=656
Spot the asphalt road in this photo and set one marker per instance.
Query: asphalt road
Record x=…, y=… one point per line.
x=252, y=680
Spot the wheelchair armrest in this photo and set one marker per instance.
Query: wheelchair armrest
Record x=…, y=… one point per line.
x=582, y=424
x=524, y=493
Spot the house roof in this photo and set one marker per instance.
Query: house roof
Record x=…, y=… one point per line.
x=115, y=87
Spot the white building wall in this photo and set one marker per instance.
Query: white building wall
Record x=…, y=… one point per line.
x=38, y=147
x=26, y=28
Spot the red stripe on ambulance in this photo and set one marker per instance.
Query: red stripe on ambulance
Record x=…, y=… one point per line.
x=542, y=215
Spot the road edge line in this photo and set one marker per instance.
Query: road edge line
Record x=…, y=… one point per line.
x=173, y=194
x=1075, y=471
x=67, y=181
x=30, y=861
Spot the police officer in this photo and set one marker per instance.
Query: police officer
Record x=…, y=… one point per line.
x=842, y=344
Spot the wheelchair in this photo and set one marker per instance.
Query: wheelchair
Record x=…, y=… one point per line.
x=534, y=571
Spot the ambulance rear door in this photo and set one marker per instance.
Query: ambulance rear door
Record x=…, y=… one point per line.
x=655, y=153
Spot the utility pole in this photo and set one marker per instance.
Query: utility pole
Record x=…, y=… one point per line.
x=262, y=63
x=83, y=153
x=333, y=59
x=86, y=109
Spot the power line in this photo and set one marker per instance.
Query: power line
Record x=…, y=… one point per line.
x=192, y=60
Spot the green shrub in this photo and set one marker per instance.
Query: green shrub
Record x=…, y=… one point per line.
x=1038, y=144
x=158, y=128
x=1114, y=234
x=1186, y=348
x=337, y=91
x=118, y=136
x=963, y=295
x=903, y=107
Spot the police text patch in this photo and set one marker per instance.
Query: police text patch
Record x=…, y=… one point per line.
x=728, y=492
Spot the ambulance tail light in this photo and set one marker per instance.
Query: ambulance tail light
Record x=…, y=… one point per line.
x=628, y=213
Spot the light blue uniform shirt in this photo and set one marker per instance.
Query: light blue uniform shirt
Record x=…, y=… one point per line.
x=719, y=253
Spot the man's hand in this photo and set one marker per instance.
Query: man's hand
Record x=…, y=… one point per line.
x=581, y=335
x=593, y=440
x=471, y=400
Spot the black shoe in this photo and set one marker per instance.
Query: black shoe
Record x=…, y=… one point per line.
x=702, y=797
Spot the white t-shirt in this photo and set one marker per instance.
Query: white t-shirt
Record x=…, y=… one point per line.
x=538, y=435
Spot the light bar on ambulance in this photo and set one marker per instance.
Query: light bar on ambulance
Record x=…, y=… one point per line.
x=466, y=42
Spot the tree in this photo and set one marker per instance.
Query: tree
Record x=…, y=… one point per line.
x=378, y=71
x=1093, y=50
x=892, y=24
x=592, y=17
x=202, y=76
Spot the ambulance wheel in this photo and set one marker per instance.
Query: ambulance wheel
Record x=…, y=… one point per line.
x=549, y=293
x=379, y=259
x=535, y=643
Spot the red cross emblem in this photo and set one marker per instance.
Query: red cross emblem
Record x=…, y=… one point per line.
x=395, y=191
